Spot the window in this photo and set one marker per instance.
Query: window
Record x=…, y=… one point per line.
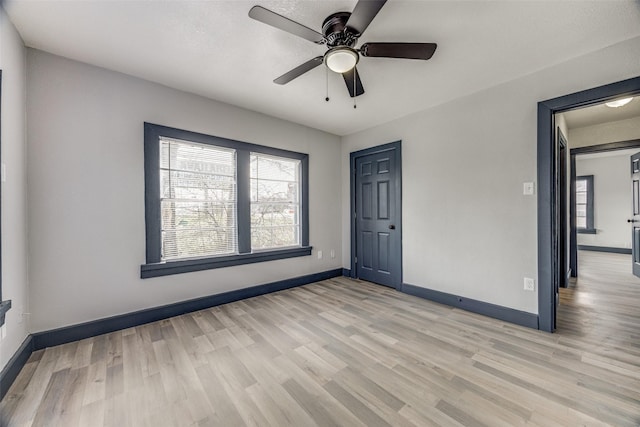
x=212, y=202
x=584, y=204
x=197, y=200
x=275, y=202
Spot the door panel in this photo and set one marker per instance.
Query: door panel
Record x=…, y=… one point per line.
x=636, y=197
x=383, y=200
x=367, y=250
x=377, y=218
x=635, y=212
x=384, y=252
x=366, y=205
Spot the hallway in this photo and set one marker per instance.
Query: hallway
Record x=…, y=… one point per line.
x=602, y=307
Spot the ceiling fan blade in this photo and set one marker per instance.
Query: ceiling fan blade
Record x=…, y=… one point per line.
x=399, y=50
x=268, y=17
x=363, y=14
x=299, y=70
x=348, y=79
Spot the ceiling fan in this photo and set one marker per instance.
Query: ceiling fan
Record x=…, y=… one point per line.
x=340, y=32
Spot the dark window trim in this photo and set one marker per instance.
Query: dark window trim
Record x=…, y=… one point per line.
x=154, y=266
x=590, y=228
x=4, y=305
x=197, y=264
x=586, y=230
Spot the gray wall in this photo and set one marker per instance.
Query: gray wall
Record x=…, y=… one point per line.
x=86, y=191
x=14, y=190
x=621, y=130
x=612, y=202
x=468, y=229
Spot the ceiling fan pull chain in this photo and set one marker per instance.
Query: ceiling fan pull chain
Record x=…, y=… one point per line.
x=355, y=89
x=327, y=73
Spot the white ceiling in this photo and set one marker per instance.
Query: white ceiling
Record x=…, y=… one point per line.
x=212, y=48
x=600, y=113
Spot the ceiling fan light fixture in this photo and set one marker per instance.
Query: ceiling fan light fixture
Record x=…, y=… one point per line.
x=341, y=59
x=618, y=102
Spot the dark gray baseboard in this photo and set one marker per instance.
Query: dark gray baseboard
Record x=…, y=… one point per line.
x=40, y=340
x=346, y=272
x=499, y=312
x=103, y=326
x=15, y=365
x=626, y=251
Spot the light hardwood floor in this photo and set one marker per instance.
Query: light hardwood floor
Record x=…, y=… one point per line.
x=350, y=353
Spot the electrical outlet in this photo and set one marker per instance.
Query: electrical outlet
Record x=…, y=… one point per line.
x=319, y=254
x=529, y=284
x=528, y=189
x=333, y=253
x=20, y=314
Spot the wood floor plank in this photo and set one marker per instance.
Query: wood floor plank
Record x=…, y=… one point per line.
x=51, y=405
x=274, y=413
x=348, y=352
x=355, y=406
x=320, y=410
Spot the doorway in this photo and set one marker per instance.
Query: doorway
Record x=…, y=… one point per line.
x=605, y=166
x=549, y=187
x=376, y=214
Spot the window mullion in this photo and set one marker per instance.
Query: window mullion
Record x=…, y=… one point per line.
x=244, y=201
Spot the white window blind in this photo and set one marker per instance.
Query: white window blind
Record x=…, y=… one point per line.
x=197, y=200
x=581, y=203
x=275, y=201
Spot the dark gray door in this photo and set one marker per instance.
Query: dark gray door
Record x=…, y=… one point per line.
x=635, y=219
x=377, y=217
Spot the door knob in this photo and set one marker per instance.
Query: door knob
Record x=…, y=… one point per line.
x=392, y=227
x=632, y=220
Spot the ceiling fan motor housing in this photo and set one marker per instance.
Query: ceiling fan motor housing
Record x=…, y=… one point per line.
x=336, y=32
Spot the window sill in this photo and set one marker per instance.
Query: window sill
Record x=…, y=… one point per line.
x=186, y=266
x=587, y=230
x=4, y=307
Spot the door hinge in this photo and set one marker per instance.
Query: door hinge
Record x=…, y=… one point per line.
x=355, y=260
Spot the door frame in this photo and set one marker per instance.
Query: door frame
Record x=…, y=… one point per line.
x=547, y=235
x=600, y=148
x=563, y=247
x=392, y=146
